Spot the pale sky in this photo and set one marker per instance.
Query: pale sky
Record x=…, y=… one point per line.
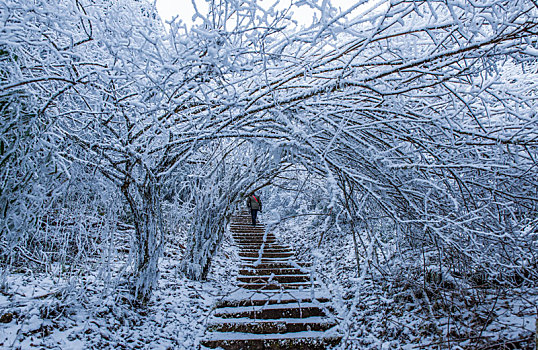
x=170, y=8
x=184, y=8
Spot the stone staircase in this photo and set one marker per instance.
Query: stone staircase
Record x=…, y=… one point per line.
x=277, y=305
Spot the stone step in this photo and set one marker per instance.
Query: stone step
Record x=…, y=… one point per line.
x=266, y=254
x=247, y=228
x=259, y=261
x=268, y=260
x=290, y=310
x=275, y=271
x=242, y=241
x=245, y=223
x=266, y=250
x=276, y=278
x=274, y=265
x=265, y=246
x=242, y=217
x=269, y=243
x=281, y=298
x=250, y=238
x=254, y=242
x=248, y=231
x=281, y=325
x=252, y=235
x=254, y=245
x=310, y=340
x=249, y=246
x=274, y=285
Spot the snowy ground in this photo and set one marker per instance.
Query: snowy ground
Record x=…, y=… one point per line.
x=40, y=313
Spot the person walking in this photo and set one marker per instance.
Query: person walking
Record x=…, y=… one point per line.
x=254, y=203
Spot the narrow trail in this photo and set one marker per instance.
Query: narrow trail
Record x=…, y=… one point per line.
x=278, y=306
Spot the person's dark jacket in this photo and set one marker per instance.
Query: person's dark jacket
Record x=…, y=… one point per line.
x=254, y=202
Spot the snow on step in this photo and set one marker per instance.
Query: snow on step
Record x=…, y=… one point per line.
x=275, y=285
x=266, y=250
x=251, y=336
x=277, y=295
x=244, y=272
x=276, y=306
x=274, y=277
x=276, y=260
x=309, y=340
x=243, y=320
x=244, y=297
x=265, y=255
x=270, y=326
x=290, y=310
x=277, y=265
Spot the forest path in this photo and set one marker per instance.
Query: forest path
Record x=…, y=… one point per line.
x=278, y=306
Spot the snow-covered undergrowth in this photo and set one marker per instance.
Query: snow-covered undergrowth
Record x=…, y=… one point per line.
x=392, y=306
x=376, y=311
x=38, y=311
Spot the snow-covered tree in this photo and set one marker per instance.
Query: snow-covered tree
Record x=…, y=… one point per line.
x=416, y=110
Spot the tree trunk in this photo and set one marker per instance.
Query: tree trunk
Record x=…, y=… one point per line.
x=148, y=240
x=206, y=236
